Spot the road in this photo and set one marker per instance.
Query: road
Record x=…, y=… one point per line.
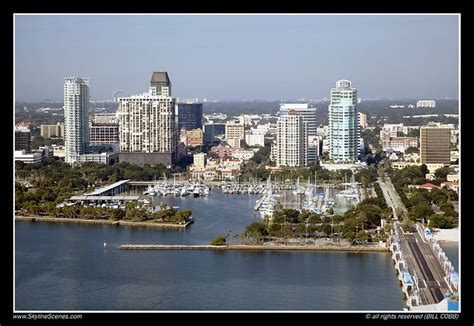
x=422, y=263
x=392, y=198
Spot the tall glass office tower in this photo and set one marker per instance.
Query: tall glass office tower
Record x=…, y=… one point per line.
x=343, y=123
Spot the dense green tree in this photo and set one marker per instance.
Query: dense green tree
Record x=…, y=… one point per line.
x=441, y=221
x=218, y=241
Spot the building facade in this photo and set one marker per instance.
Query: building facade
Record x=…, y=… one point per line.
x=192, y=137
x=147, y=126
x=435, y=145
x=343, y=123
x=189, y=115
x=211, y=130
x=76, y=117
x=426, y=104
x=234, y=132
x=22, y=139
x=292, y=140
x=104, y=133
x=49, y=131
x=160, y=84
x=362, y=120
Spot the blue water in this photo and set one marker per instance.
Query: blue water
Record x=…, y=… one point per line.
x=65, y=267
x=452, y=251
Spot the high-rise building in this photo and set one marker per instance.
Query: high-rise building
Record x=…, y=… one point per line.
x=104, y=133
x=343, y=123
x=48, y=131
x=303, y=109
x=362, y=120
x=211, y=130
x=160, y=84
x=426, y=104
x=234, y=132
x=310, y=117
x=292, y=140
x=22, y=139
x=76, y=117
x=189, y=115
x=435, y=145
x=147, y=126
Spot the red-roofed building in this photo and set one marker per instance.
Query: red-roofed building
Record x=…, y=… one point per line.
x=450, y=185
x=427, y=186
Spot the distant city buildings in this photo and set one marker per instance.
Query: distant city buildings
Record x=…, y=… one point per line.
x=292, y=140
x=255, y=138
x=211, y=130
x=147, y=125
x=435, y=145
x=76, y=117
x=189, y=115
x=362, y=120
x=426, y=104
x=22, y=139
x=224, y=163
x=52, y=131
x=235, y=132
x=192, y=137
x=343, y=123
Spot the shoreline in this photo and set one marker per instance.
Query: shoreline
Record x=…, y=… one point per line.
x=240, y=247
x=51, y=219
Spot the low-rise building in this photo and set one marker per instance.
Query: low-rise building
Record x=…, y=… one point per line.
x=254, y=138
x=199, y=160
x=25, y=157
x=104, y=158
x=49, y=131
x=426, y=186
x=452, y=177
x=450, y=185
x=194, y=137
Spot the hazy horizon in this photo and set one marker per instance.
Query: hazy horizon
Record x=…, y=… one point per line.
x=236, y=58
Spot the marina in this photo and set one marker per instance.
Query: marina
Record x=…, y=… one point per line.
x=110, y=278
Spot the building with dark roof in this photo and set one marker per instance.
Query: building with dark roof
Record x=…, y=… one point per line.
x=160, y=84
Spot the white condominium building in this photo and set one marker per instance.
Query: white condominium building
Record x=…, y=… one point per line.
x=292, y=140
x=426, y=104
x=147, y=124
x=76, y=117
x=343, y=123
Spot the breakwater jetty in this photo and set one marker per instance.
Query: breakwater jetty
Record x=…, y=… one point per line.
x=51, y=219
x=255, y=247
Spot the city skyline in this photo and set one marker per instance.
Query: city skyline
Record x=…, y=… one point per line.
x=240, y=57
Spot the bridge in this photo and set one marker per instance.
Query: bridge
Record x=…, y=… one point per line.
x=428, y=279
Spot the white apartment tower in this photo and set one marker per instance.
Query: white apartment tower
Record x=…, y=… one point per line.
x=76, y=117
x=147, y=125
x=343, y=123
x=292, y=140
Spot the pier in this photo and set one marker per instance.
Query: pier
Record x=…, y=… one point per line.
x=428, y=279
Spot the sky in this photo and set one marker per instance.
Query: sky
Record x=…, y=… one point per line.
x=239, y=57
